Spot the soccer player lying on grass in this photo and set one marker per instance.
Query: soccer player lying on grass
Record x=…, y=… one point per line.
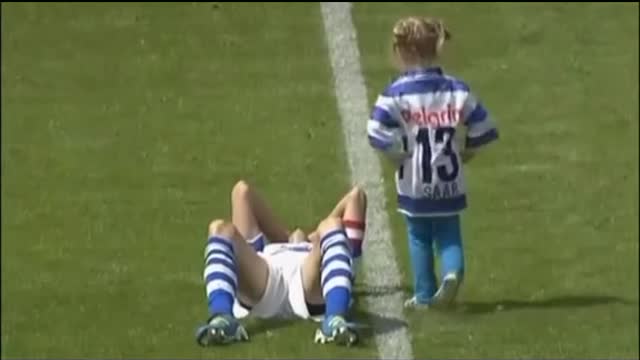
x=255, y=266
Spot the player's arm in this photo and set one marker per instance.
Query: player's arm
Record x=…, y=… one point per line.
x=481, y=129
x=385, y=132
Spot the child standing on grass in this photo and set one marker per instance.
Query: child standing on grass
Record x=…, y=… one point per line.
x=414, y=123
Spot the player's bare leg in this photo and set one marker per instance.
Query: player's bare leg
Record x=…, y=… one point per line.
x=327, y=278
x=311, y=269
x=352, y=204
x=232, y=269
x=253, y=218
x=352, y=209
x=354, y=219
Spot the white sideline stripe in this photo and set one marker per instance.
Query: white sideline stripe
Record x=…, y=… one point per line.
x=380, y=268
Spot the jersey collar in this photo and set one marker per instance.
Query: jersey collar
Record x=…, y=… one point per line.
x=433, y=70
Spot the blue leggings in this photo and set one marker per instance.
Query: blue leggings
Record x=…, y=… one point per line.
x=448, y=242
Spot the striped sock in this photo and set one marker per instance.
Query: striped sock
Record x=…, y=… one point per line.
x=258, y=242
x=355, y=232
x=337, y=276
x=220, y=275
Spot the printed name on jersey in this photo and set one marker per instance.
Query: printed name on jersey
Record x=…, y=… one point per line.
x=428, y=117
x=439, y=191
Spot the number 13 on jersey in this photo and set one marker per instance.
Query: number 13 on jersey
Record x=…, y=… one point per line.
x=445, y=165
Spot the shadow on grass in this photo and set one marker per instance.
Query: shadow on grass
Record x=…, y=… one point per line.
x=376, y=324
x=475, y=307
x=259, y=326
x=371, y=324
x=570, y=301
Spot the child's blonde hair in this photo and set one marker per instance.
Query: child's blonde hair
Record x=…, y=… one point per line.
x=419, y=40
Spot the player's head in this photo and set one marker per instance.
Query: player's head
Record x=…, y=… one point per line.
x=418, y=41
x=298, y=236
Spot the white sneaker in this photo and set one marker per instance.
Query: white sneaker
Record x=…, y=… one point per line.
x=413, y=303
x=448, y=291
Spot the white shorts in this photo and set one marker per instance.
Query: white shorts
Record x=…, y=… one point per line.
x=284, y=294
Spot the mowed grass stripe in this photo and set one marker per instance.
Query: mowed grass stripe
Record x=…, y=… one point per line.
x=124, y=127
x=551, y=234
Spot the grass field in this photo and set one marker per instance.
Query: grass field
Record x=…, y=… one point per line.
x=124, y=127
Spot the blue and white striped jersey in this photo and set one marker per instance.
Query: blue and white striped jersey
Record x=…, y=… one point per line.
x=424, y=109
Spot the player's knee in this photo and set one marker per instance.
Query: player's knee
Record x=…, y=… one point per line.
x=329, y=224
x=240, y=189
x=221, y=227
x=359, y=194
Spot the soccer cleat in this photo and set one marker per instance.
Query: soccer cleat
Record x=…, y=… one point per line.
x=415, y=304
x=335, y=329
x=222, y=329
x=447, y=292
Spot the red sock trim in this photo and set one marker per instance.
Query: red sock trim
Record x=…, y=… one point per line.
x=354, y=224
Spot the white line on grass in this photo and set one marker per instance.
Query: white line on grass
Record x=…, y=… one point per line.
x=380, y=267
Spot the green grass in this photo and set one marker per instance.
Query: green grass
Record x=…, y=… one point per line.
x=552, y=231
x=125, y=126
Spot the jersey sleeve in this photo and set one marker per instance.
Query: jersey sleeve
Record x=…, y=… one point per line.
x=481, y=129
x=383, y=125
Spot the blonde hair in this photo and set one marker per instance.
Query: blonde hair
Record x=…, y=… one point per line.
x=419, y=40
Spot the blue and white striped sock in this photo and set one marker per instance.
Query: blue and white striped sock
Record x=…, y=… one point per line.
x=337, y=275
x=220, y=275
x=258, y=242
